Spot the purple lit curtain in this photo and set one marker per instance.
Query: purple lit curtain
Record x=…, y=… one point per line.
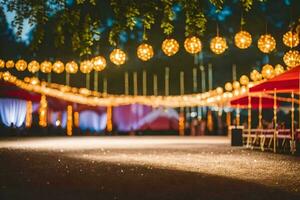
x=93, y=121
x=54, y=118
x=12, y=111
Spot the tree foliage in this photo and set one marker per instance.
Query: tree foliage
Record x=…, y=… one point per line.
x=78, y=23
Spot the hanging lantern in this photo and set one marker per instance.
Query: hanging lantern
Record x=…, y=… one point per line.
x=193, y=45
x=99, y=63
x=21, y=65
x=71, y=67
x=228, y=86
x=255, y=75
x=2, y=63
x=279, y=69
x=86, y=66
x=218, y=45
x=118, y=57
x=46, y=67
x=242, y=39
x=33, y=66
x=292, y=58
x=145, y=52
x=10, y=64
x=170, y=47
x=236, y=85
x=290, y=39
x=58, y=67
x=267, y=71
x=266, y=43
x=244, y=80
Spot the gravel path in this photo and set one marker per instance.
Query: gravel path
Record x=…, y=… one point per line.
x=143, y=168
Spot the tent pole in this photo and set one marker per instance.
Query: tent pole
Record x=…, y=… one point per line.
x=237, y=115
x=292, y=144
x=69, y=120
x=275, y=121
x=249, y=120
x=260, y=112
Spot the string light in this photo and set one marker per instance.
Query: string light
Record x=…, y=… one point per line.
x=86, y=66
x=290, y=39
x=33, y=66
x=43, y=111
x=170, y=47
x=21, y=65
x=118, y=57
x=244, y=80
x=10, y=64
x=28, y=118
x=71, y=67
x=228, y=86
x=279, y=69
x=99, y=63
x=242, y=39
x=193, y=45
x=145, y=52
x=69, y=120
x=266, y=43
x=267, y=71
x=236, y=85
x=255, y=75
x=46, y=67
x=76, y=119
x=109, y=119
x=292, y=58
x=218, y=45
x=58, y=67
x=2, y=63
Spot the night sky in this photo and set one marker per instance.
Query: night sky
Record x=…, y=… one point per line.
x=277, y=14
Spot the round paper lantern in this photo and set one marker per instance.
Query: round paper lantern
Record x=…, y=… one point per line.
x=58, y=67
x=290, y=39
x=279, y=69
x=99, y=63
x=118, y=57
x=244, y=80
x=218, y=45
x=242, y=39
x=228, y=86
x=267, y=71
x=2, y=63
x=21, y=65
x=170, y=47
x=292, y=58
x=266, y=43
x=33, y=66
x=145, y=52
x=46, y=67
x=71, y=67
x=236, y=85
x=192, y=45
x=255, y=76
x=10, y=64
x=86, y=66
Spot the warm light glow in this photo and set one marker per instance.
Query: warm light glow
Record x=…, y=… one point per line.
x=292, y=58
x=291, y=39
x=255, y=75
x=218, y=45
x=242, y=39
x=28, y=118
x=99, y=63
x=58, y=67
x=145, y=52
x=181, y=123
x=236, y=85
x=76, y=119
x=21, y=65
x=33, y=66
x=86, y=66
x=219, y=90
x=267, y=71
x=118, y=57
x=228, y=86
x=46, y=67
x=279, y=69
x=109, y=126
x=244, y=80
x=170, y=47
x=10, y=64
x=2, y=63
x=266, y=43
x=193, y=45
x=71, y=67
x=69, y=120
x=43, y=111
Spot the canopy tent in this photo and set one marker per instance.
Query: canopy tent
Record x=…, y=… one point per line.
x=243, y=101
x=283, y=83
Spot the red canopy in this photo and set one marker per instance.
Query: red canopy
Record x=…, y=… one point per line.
x=285, y=82
x=267, y=102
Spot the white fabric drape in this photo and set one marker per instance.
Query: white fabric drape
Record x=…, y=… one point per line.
x=12, y=111
x=92, y=120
